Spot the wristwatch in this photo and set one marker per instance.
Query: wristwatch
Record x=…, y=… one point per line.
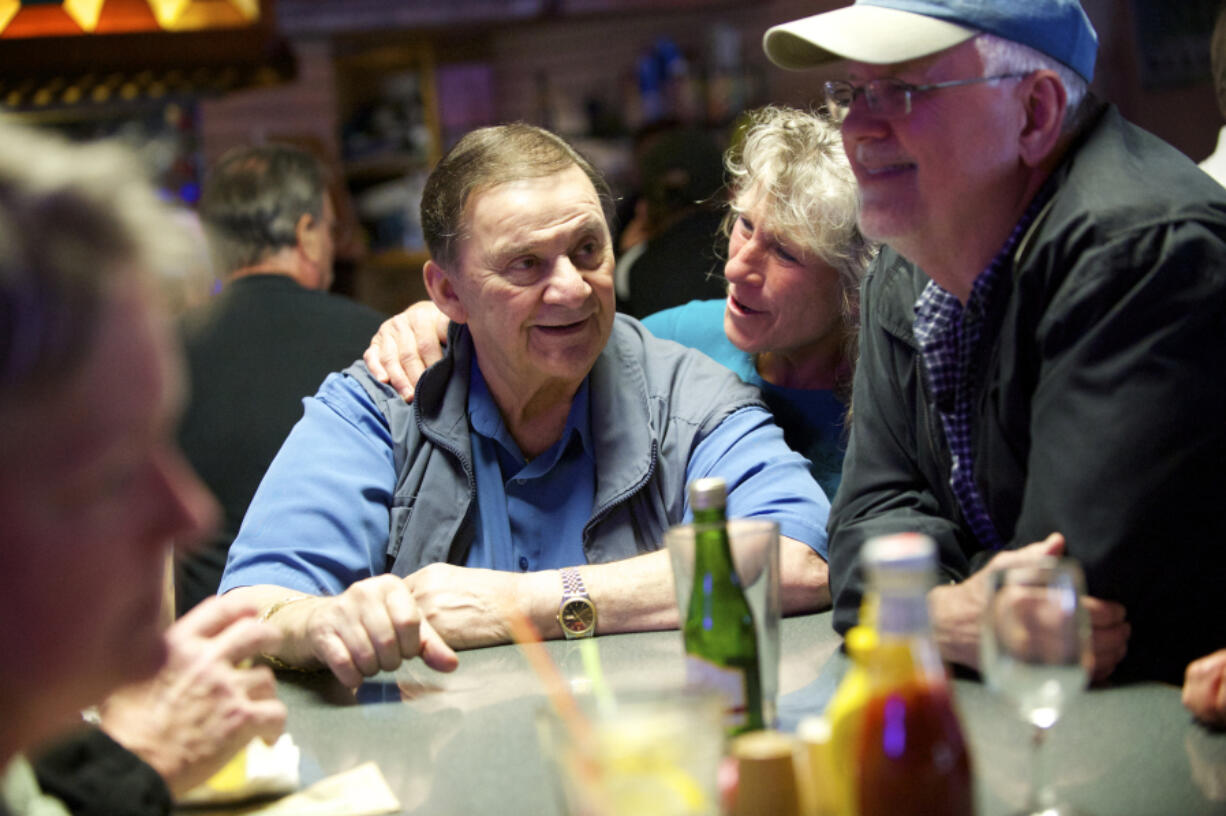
x=576, y=612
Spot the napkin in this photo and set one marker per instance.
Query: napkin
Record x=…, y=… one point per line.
x=259, y=769
x=360, y=791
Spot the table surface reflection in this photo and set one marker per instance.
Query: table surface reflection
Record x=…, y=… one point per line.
x=465, y=743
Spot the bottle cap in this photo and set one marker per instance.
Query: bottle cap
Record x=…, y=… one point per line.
x=816, y=770
x=766, y=774
x=707, y=493
x=860, y=640
x=900, y=561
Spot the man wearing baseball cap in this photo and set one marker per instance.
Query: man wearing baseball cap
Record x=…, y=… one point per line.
x=1042, y=334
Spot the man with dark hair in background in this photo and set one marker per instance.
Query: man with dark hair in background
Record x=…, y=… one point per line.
x=269, y=339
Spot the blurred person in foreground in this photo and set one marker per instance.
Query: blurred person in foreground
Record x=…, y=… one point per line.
x=544, y=456
x=93, y=490
x=267, y=341
x=788, y=321
x=1041, y=336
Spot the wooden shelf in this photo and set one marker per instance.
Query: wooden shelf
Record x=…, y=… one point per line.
x=393, y=259
x=391, y=280
x=387, y=107
x=384, y=166
x=362, y=79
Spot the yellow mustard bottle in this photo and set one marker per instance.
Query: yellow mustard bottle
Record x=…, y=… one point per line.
x=845, y=710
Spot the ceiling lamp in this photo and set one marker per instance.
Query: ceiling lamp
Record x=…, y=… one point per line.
x=183, y=15
x=168, y=12
x=84, y=12
x=40, y=18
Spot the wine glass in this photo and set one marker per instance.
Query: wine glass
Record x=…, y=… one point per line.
x=1035, y=652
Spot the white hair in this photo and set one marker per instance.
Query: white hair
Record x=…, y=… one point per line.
x=1001, y=56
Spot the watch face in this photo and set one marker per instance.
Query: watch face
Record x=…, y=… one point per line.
x=578, y=615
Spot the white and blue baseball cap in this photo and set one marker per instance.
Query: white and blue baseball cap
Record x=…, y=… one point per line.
x=884, y=32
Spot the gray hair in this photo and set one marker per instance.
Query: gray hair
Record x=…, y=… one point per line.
x=252, y=201
x=794, y=163
x=74, y=218
x=485, y=158
x=1001, y=56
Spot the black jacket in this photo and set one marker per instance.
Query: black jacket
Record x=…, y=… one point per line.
x=252, y=356
x=1100, y=406
x=95, y=776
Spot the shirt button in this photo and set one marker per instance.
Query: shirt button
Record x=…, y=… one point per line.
x=523, y=563
x=520, y=482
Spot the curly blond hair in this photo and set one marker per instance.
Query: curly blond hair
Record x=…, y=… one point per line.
x=792, y=163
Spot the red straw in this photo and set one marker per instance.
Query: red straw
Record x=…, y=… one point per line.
x=526, y=635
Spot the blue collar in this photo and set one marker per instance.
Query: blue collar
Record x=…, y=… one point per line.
x=486, y=419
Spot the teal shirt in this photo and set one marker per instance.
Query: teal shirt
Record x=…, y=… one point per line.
x=812, y=419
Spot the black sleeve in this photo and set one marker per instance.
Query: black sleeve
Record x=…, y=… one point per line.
x=892, y=476
x=1128, y=438
x=95, y=776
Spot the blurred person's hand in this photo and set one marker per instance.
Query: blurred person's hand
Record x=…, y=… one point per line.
x=957, y=611
x=406, y=345
x=1204, y=689
x=207, y=702
x=372, y=626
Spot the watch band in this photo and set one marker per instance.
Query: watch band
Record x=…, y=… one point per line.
x=572, y=583
x=576, y=612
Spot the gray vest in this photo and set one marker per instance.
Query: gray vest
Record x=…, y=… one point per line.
x=651, y=402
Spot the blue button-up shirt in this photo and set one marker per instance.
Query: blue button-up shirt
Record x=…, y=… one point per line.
x=320, y=518
x=524, y=522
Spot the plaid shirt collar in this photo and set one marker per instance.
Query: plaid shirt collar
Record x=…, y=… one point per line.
x=949, y=336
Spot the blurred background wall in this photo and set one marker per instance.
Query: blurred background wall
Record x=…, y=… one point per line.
x=379, y=88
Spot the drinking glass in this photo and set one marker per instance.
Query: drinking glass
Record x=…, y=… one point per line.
x=755, y=556
x=646, y=754
x=1035, y=652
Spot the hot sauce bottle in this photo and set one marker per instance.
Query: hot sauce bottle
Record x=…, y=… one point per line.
x=911, y=755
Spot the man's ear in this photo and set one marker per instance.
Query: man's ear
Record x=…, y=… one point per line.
x=1045, y=101
x=307, y=232
x=443, y=292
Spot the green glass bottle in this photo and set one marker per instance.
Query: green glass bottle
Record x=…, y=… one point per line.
x=721, y=643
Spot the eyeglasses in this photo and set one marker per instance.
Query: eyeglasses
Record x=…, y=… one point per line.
x=889, y=97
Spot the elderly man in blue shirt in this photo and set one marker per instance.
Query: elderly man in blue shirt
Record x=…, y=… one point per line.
x=541, y=462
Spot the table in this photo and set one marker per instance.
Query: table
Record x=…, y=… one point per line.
x=465, y=743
